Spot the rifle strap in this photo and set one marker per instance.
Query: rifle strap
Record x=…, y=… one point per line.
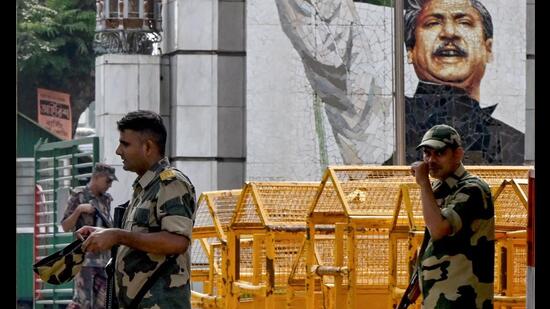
x=101, y=216
x=149, y=283
x=111, y=302
x=425, y=241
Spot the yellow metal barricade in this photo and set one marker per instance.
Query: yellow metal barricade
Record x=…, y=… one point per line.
x=209, y=250
x=348, y=241
x=272, y=215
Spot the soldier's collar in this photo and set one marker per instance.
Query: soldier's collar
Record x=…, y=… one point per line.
x=87, y=191
x=152, y=173
x=453, y=179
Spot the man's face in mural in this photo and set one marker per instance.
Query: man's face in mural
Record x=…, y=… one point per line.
x=450, y=46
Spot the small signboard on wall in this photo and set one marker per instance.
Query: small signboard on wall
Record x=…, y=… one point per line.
x=54, y=112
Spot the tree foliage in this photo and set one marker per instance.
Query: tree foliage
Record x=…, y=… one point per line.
x=55, y=51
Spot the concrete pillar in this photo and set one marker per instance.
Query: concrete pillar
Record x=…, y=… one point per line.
x=204, y=60
x=530, y=126
x=197, y=86
x=124, y=83
x=530, y=85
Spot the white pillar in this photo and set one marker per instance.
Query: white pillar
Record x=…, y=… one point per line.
x=197, y=86
x=204, y=59
x=530, y=83
x=124, y=83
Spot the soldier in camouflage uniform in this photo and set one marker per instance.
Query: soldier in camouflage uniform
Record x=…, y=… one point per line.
x=157, y=223
x=456, y=268
x=91, y=205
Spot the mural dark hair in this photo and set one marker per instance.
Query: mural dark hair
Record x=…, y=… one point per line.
x=145, y=122
x=414, y=7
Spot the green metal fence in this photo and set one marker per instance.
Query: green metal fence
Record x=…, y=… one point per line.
x=23, y=261
x=59, y=166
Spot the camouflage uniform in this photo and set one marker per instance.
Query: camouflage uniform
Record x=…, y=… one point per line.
x=163, y=200
x=456, y=271
x=91, y=282
x=90, y=286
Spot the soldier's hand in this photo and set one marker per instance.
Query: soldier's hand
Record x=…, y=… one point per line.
x=85, y=231
x=86, y=208
x=100, y=240
x=420, y=170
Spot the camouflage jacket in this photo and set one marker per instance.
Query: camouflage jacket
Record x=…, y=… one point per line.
x=457, y=271
x=163, y=200
x=83, y=195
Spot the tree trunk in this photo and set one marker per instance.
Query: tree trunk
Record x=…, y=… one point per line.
x=82, y=94
x=81, y=90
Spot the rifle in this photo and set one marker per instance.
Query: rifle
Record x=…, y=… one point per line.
x=411, y=293
x=99, y=216
x=112, y=302
x=413, y=289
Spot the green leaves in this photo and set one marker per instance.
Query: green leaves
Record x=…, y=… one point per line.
x=49, y=31
x=55, y=51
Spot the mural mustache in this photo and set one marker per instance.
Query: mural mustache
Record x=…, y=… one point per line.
x=450, y=49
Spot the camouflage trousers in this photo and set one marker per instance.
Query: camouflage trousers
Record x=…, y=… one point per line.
x=90, y=289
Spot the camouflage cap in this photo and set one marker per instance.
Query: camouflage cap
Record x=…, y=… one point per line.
x=440, y=136
x=105, y=169
x=61, y=266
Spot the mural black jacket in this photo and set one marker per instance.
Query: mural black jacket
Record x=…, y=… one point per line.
x=486, y=140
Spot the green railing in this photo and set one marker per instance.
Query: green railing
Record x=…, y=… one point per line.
x=59, y=167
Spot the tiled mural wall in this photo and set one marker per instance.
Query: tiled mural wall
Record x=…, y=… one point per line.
x=319, y=82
